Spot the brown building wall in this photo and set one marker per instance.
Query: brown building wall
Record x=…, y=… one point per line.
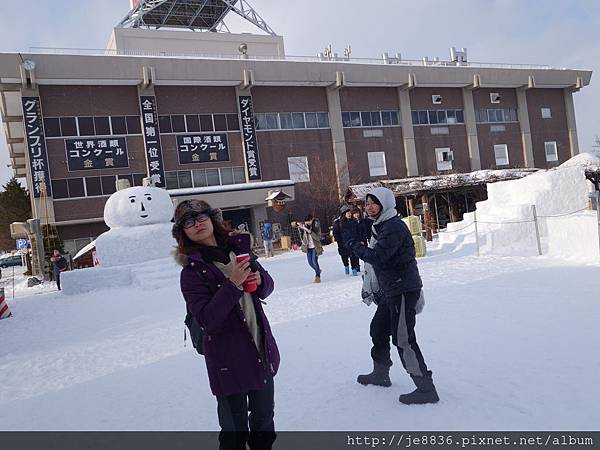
x=289, y=99
x=369, y=99
x=544, y=130
x=89, y=100
x=420, y=98
x=195, y=99
x=79, y=208
x=511, y=137
x=358, y=147
x=487, y=139
x=275, y=148
x=80, y=231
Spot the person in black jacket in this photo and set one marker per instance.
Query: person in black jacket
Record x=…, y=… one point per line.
x=59, y=265
x=348, y=258
x=391, y=253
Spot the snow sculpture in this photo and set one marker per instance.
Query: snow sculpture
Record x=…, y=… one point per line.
x=140, y=222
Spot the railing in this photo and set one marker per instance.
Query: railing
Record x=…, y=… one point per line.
x=324, y=59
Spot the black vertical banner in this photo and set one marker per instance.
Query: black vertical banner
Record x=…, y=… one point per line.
x=36, y=145
x=249, y=138
x=154, y=159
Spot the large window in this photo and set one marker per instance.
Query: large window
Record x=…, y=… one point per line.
x=438, y=116
x=496, y=115
x=194, y=123
x=217, y=176
x=377, y=166
x=289, y=121
x=501, y=154
x=91, y=186
x=353, y=119
x=298, y=168
x=91, y=126
x=551, y=151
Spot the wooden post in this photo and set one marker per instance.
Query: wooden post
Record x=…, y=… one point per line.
x=452, y=207
x=411, y=207
x=537, y=229
x=437, y=216
x=427, y=217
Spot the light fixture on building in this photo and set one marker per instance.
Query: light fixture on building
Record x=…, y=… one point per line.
x=243, y=49
x=28, y=65
x=277, y=200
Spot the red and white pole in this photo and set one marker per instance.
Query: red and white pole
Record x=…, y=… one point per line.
x=4, y=311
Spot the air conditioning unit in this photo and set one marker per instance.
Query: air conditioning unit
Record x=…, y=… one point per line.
x=494, y=97
x=436, y=99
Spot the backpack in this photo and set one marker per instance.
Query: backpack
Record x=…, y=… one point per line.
x=196, y=331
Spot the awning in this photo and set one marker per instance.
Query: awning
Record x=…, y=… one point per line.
x=85, y=249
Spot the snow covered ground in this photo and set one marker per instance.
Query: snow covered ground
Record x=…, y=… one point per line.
x=512, y=341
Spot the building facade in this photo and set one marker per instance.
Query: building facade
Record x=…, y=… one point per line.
x=234, y=128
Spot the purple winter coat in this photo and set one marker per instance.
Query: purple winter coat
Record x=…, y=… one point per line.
x=234, y=364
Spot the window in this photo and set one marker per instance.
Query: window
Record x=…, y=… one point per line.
x=323, y=120
x=546, y=113
x=68, y=127
x=192, y=123
x=134, y=125
x=441, y=116
x=386, y=118
x=346, y=123
x=127, y=177
x=212, y=177
x=93, y=186
x=298, y=120
x=285, y=120
x=206, y=122
x=171, y=178
x=366, y=119
x=226, y=175
x=439, y=130
x=138, y=179
x=494, y=97
x=164, y=124
x=501, y=154
x=395, y=118
x=377, y=164
x=102, y=125
x=59, y=189
x=497, y=128
x=376, y=119
x=551, y=151
x=86, y=126
x=298, y=168
x=75, y=186
x=239, y=175
x=355, y=119
x=233, y=123
x=185, y=178
x=444, y=157
x=199, y=177
x=220, y=122
x=271, y=121
x=373, y=133
x=433, y=117
x=451, y=116
x=423, y=118
x=311, y=120
x=178, y=123
x=119, y=125
x=109, y=185
x=52, y=127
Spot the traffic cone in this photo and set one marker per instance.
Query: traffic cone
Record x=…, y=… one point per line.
x=4, y=311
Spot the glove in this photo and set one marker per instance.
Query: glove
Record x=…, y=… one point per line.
x=350, y=233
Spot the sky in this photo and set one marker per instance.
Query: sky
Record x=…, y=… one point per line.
x=561, y=33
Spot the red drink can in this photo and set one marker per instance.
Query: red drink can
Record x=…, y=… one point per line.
x=249, y=286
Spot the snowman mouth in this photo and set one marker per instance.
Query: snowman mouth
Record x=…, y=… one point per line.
x=143, y=216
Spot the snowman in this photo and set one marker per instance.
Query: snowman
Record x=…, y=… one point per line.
x=140, y=227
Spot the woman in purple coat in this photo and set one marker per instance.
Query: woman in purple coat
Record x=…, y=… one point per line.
x=240, y=351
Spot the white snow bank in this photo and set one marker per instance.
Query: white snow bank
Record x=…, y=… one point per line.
x=505, y=221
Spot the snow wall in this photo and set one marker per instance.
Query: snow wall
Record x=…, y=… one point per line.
x=505, y=220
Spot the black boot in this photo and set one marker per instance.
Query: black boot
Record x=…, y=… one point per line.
x=379, y=377
x=425, y=392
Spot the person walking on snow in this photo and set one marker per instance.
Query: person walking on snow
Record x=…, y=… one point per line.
x=344, y=252
x=311, y=243
x=239, y=348
x=396, y=288
x=59, y=265
x=267, y=237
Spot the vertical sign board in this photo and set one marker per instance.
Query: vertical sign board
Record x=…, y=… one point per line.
x=249, y=138
x=36, y=145
x=154, y=159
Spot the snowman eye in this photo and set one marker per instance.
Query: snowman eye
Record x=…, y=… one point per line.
x=148, y=198
x=132, y=200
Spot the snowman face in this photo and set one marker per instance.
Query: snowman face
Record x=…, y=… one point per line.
x=137, y=206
